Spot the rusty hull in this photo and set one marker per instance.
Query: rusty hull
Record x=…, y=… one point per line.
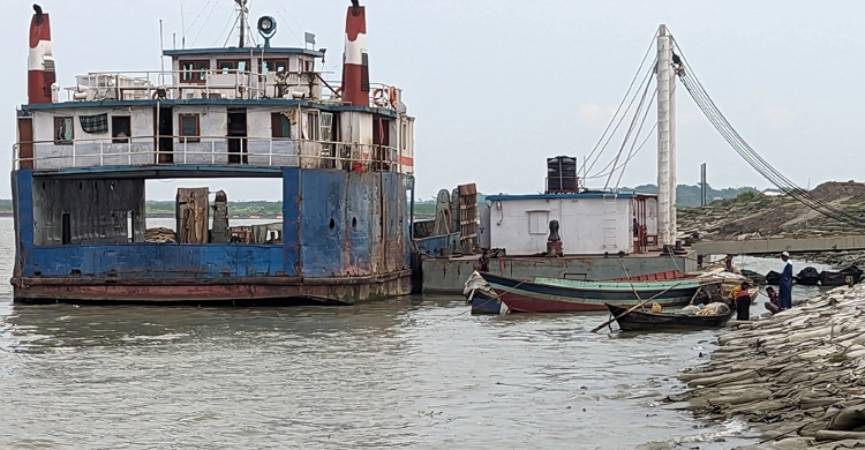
x=279, y=290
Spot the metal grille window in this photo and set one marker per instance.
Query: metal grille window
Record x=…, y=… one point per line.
x=326, y=126
x=95, y=124
x=63, y=130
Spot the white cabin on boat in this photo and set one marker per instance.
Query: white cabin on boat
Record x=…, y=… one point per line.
x=590, y=223
x=264, y=107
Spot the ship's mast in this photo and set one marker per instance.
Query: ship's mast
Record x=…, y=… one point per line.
x=241, y=6
x=666, y=141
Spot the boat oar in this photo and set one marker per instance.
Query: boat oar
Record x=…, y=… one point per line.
x=634, y=308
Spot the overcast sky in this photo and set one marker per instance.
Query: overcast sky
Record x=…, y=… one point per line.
x=498, y=86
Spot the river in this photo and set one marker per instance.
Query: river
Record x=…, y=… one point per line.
x=417, y=372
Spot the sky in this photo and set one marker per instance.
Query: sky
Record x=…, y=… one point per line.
x=498, y=86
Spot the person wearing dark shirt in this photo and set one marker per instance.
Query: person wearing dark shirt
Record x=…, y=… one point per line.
x=743, y=302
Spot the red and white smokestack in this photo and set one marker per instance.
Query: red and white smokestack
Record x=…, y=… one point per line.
x=355, y=63
x=40, y=63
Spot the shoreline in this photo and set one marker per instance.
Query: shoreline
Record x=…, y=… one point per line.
x=793, y=376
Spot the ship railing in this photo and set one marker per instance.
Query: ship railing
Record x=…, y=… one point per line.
x=216, y=84
x=205, y=150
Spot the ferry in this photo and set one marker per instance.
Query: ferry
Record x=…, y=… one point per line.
x=343, y=150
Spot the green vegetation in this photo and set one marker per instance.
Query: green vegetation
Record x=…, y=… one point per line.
x=235, y=209
x=689, y=196
x=424, y=209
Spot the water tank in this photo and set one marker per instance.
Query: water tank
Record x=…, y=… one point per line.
x=562, y=175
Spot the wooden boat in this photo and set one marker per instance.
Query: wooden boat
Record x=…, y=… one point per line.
x=555, y=295
x=648, y=321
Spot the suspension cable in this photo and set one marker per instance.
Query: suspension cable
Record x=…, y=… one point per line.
x=717, y=119
x=621, y=103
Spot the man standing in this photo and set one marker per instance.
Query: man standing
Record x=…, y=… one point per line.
x=743, y=302
x=785, y=294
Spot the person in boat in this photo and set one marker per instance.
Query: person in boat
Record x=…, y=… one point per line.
x=785, y=294
x=743, y=302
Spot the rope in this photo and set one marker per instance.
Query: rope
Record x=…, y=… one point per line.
x=631, y=126
x=621, y=103
x=705, y=103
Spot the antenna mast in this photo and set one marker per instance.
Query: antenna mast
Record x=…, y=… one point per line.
x=241, y=6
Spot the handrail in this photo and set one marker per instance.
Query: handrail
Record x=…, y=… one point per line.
x=215, y=150
x=230, y=83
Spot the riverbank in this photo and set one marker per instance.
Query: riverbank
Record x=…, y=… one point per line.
x=796, y=377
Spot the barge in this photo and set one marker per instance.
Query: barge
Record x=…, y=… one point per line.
x=343, y=152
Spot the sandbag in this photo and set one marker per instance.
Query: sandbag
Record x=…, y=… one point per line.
x=849, y=419
x=829, y=278
x=808, y=276
x=714, y=309
x=854, y=272
x=755, y=277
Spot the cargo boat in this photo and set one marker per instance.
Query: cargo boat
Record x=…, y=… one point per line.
x=343, y=152
x=549, y=295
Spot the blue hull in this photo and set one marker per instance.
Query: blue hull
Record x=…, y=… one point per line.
x=483, y=304
x=345, y=239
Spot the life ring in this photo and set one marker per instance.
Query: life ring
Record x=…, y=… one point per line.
x=378, y=94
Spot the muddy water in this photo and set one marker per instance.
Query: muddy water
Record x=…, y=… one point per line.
x=413, y=373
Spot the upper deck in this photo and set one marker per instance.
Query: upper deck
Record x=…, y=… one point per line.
x=236, y=106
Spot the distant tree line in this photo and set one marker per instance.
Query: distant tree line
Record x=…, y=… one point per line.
x=685, y=196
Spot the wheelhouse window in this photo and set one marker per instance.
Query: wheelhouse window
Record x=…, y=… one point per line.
x=229, y=66
x=273, y=65
x=194, y=71
x=280, y=126
x=94, y=124
x=64, y=130
x=121, y=129
x=190, y=130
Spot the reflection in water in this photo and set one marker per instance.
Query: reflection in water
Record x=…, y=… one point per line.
x=414, y=372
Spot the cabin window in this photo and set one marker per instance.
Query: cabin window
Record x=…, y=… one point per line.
x=280, y=125
x=229, y=66
x=273, y=65
x=194, y=71
x=190, y=130
x=94, y=124
x=312, y=126
x=63, y=130
x=121, y=129
x=539, y=222
x=307, y=66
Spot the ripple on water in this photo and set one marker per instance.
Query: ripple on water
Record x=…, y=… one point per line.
x=416, y=372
